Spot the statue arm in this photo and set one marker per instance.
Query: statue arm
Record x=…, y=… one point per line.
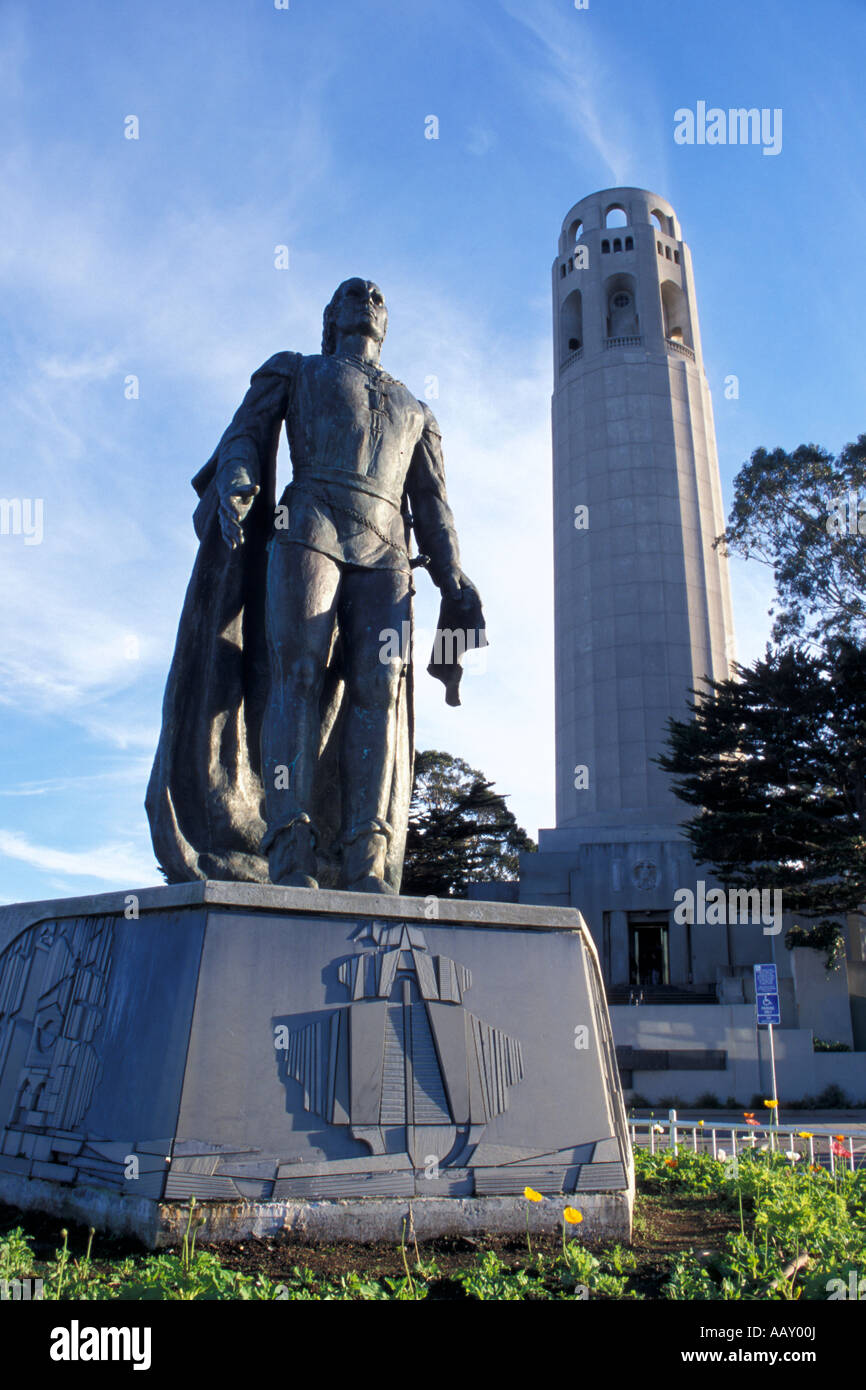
x=245, y=443
x=432, y=516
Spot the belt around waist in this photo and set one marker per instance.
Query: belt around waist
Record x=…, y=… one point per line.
x=355, y=482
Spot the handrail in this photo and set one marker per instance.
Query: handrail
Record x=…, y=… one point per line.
x=680, y=347
x=709, y=1135
x=572, y=357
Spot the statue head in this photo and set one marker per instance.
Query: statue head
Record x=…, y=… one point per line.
x=356, y=307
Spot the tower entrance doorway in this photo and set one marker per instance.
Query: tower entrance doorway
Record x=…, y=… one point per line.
x=649, y=956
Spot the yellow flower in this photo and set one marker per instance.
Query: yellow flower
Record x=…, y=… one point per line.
x=531, y=1195
x=700, y=1122
x=804, y=1134
x=573, y=1216
x=771, y=1104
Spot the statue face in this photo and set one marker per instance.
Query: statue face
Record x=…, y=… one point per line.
x=360, y=308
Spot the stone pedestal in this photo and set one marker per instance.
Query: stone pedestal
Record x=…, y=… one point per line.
x=320, y=1061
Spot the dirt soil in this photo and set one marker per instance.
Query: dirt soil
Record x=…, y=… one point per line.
x=664, y=1226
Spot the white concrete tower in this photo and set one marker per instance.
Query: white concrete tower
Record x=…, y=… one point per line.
x=642, y=600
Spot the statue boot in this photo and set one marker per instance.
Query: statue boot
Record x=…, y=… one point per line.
x=291, y=851
x=365, y=852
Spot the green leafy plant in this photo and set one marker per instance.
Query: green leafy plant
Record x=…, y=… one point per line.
x=16, y=1256
x=799, y=1225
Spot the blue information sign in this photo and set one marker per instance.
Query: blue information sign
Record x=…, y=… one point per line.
x=765, y=980
x=768, y=1009
x=767, y=995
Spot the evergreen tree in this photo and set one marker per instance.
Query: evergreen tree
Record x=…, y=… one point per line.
x=775, y=760
x=460, y=830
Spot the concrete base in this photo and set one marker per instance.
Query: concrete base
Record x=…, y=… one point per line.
x=606, y=1216
x=311, y=1060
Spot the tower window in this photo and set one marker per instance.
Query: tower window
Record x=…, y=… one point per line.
x=562, y=271
x=660, y=247
x=668, y=252
x=571, y=322
x=676, y=314
x=621, y=320
x=677, y=257
x=617, y=245
x=629, y=243
x=570, y=264
x=605, y=247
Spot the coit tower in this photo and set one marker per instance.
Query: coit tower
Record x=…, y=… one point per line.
x=642, y=600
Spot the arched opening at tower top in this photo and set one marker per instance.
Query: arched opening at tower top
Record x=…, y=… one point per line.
x=571, y=324
x=574, y=232
x=615, y=216
x=675, y=311
x=621, y=305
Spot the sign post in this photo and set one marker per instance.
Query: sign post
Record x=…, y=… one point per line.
x=769, y=1015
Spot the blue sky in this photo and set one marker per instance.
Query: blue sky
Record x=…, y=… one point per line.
x=305, y=127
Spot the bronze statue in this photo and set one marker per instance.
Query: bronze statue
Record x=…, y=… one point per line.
x=287, y=741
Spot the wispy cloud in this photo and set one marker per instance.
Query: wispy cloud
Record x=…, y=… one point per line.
x=130, y=773
x=569, y=69
x=117, y=863
x=80, y=368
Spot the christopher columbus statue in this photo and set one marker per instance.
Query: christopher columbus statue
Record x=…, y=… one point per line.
x=287, y=742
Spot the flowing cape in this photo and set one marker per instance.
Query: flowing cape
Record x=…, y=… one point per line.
x=205, y=798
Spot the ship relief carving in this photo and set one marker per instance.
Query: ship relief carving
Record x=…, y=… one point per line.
x=404, y=1064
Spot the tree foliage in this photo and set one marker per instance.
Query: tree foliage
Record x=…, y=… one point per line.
x=804, y=514
x=775, y=760
x=460, y=830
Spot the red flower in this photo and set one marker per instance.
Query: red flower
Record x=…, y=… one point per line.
x=670, y=1163
x=838, y=1147
x=749, y=1117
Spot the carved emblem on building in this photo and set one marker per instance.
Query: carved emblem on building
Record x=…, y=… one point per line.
x=404, y=1064
x=645, y=874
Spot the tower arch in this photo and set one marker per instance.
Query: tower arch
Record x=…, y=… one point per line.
x=571, y=324
x=675, y=314
x=620, y=301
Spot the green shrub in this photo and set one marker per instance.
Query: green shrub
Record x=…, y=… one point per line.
x=833, y=1098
